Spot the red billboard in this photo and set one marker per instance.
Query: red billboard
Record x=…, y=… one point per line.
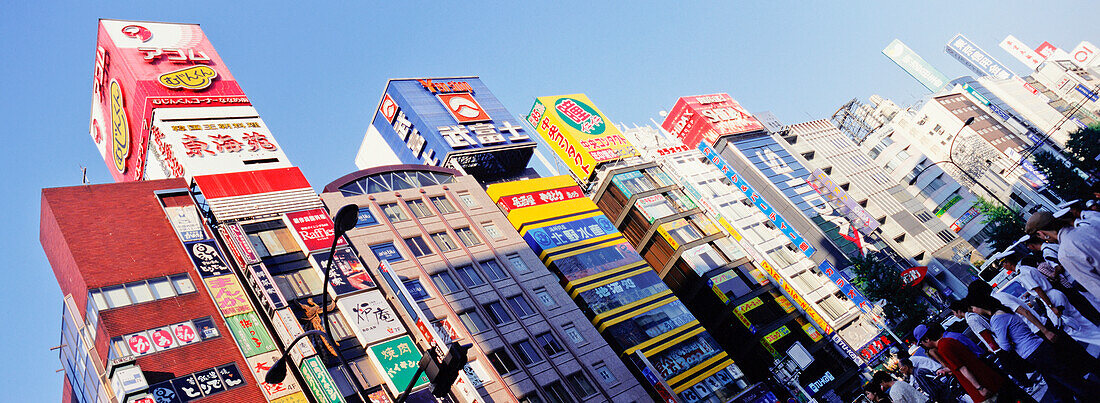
x=708, y=117
x=141, y=66
x=314, y=228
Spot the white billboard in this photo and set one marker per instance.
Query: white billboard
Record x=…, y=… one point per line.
x=1029, y=57
x=1084, y=54
x=199, y=141
x=370, y=317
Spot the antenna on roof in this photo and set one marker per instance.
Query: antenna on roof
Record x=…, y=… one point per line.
x=83, y=175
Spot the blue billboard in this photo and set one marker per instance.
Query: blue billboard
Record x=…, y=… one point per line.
x=435, y=121
x=973, y=57
x=553, y=236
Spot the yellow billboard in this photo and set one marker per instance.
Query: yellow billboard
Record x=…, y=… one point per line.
x=578, y=133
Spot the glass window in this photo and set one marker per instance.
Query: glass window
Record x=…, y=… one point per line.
x=493, y=270
x=467, y=199
x=473, y=322
x=116, y=296
x=386, y=251
x=161, y=288
x=417, y=290
x=491, y=230
x=394, y=212
x=517, y=263
x=139, y=292
x=528, y=354
x=99, y=299
x=299, y=283
x=467, y=236
x=183, y=284
x=498, y=313
x=520, y=306
x=558, y=394
x=445, y=282
x=502, y=362
x=530, y=398
x=444, y=241
x=417, y=246
x=419, y=208
x=469, y=276
x=581, y=385
x=119, y=348
x=573, y=334
x=443, y=204
x=544, y=297
x=549, y=344
x=605, y=374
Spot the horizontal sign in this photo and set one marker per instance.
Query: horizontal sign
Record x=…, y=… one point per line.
x=972, y=56
x=777, y=334
x=915, y=65
x=185, y=220
x=964, y=219
x=397, y=361
x=509, y=203
x=197, y=385
x=556, y=235
x=845, y=286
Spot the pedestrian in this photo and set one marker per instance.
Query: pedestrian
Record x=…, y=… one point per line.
x=977, y=324
x=1073, y=323
x=874, y=393
x=927, y=381
x=1059, y=279
x=1065, y=375
x=898, y=390
x=1078, y=248
x=980, y=381
x=1074, y=210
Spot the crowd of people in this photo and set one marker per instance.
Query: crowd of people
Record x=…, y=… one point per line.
x=1009, y=348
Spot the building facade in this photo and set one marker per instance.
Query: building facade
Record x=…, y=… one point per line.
x=479, y=283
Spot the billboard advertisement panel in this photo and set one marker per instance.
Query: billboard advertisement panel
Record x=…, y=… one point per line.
x=348, y=274
x=313, y=228
x=578, y=133
x=397, y=361
x=140, y=66
x=841, y=202
x=1084, y=54
x=1046, y=49
x=974, y=58
x=1022, y=52
x=543, y=238
x=183, y=146
x=915, y=65
x=434, y=120
x=708, y=117
x=370, y=317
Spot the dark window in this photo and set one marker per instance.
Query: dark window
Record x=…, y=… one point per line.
x=467, y=236
x=386, y=251
x=502, y=363
x=808, y=156
x=443, y=204
x=493, y=270
x=863, y=203
x=418, y=247
x=394, y=212
x=946, y=236
x=557, y=393
x=919, y=256
x=498, y=313
x=581, y=385
x=549, y=344
x=473, y=322
x=528, y=354
x=444, y=241
x=530, y=398
x=417, y=290
x=520, y=306
x=446, y=282
x=468, y=275
x=900, y=238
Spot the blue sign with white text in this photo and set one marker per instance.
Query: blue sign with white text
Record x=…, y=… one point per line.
x=973, y=57
x=845, y=286
x=553, y=236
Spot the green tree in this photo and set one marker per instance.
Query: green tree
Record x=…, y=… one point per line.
x=905, y=306
x=1061, y=179
x=1083, y=147
x=1005, y=225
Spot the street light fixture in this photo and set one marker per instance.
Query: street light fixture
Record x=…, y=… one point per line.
x=951, y=160
x=277, y=373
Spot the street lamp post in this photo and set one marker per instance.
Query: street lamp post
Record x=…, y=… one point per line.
x=277, y=373
x=951, y=160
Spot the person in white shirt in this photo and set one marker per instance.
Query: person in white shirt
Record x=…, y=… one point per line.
x=900, y=391
x=1078, y=248
x=1030, y=277
x=1073, y=323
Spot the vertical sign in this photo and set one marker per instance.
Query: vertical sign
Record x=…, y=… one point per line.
x=348, y=274
x=320, y=381
x=370, y=316
x=397, y=361
x=915, y=65
x=228, y=295
x=185, y=220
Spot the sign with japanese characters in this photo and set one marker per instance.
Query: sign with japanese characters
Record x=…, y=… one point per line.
x=207, y=259
x=370, y=316
x=228, y=295
x=562, y=234
x=707, y=117
x=916, y=66
x=259, y=365
x=973, y=57
x=313, y=228
x=512, y=202
x=143, y=66
x=185, y=220
x=1022, y=52
x=842, y=202
x=435, y=120
x=397, y=361
x=269, y=294
x=287, y=328
x=964, y=219
x=579, y=134
x=846, y=287
x=348, y=274
x=790, y=291
x=198, y=385
x=320, y=381
x=140, y=343
x=239, y=245
x=250, y=334
x=185, y=146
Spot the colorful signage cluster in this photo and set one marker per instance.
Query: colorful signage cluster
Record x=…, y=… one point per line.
x=705, y=118
x=841, y=202
x=845, y=286
x=168, y=337
x=964, y=219
x=540, y=197
x=320, y=381
x=578, y=133
x=973, y=57
x=875, y=347
x=197, y=385
x=915, y=65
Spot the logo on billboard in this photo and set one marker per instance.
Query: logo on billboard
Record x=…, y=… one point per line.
x=120, y=128
x=463, y=107
x=582, y=117
x=137, y=32
x=191, y=78
x=1046, y=49
x=388, y=108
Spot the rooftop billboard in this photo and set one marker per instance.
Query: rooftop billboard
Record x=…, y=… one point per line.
x=708, y=117
x=578, y=133
x=915, y=65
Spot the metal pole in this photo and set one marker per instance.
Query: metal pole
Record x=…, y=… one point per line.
x=324, y=316
x=343, y=363
x=405, y=394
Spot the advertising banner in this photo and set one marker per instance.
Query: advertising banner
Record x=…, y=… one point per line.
x=313, y=228
x=913, y=275
x=228, y=295
x=208, y=261
x=845, y=286
x=556, y=235
x=260, y=364
x=757, y=200
x=250, y=334
x=707, y=117
x=977, y=60
x=841, y=202
x=786, y=286
x=265, y=287
x=197, y=385
x=620, y=181
x=811, y=331
x=875, y=347
x=320, y=381
x=915, y=65
x=964, y=219
x=348, y=274
x=1084, y=54
x=370, y=317
x=1046, y=49
x=1022, y=52
x=578, y=133
x=397, y=361
x=839, y=342
x=185, y=220
x=140, y=66
x=777, y=334
x=185, y=146
x=239, y=244
x=287, y=328
x=509, y=203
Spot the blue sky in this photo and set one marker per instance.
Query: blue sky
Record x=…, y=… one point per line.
x=316, y=73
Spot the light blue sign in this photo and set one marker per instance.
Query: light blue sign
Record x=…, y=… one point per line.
x=913, y=64
x=557, y=235
x=976, y=59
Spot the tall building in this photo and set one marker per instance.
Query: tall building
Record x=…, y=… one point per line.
x=479, y=283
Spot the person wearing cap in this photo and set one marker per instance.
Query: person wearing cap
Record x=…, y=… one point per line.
x=981, y=382
x=1074, y=210
x=1078, y=248
x=899, y=390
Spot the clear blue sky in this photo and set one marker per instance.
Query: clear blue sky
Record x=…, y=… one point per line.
x=316, y=73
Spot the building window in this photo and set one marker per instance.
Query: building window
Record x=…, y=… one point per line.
x=502, y=362
x=270, y=238
x=366, y=218
x=923, y=216
x=528, y=354
x=493, y=270
x=581, y=385
x=162, y=288
x=549, y=344
x=444, y=205
x=387, y=252
x=900, y=238
x=444, y=241
x=139, y=292
x=544, y=297
x=498, y=313
x=299, y=283
x=473, y=322
x=467, y=236
x=417, y=290
x=419, y=208
x=394, y=212
x=946, y=235
x=932, y=186
x=530, y=398
x=417, y=246
x=558, y=394
x=518, y=264
x=182, y=283
x=491, y=230
x=573, y=334
x=116, y=296
x=520, y=306
x=605, y=374
x=467, y=200
x=445, y=282
x=469, y=276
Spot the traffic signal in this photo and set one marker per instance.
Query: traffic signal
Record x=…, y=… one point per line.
x=443, y=375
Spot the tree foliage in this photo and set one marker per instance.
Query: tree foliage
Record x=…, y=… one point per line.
x=1061, y=179
x=1081, y=150
x=1083, y=146
x=905, y=307
x=1005, y=225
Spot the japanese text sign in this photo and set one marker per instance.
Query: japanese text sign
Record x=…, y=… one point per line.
x=579, y=134
x=184, y=148
x=973, y=57
x=207, y=259
x=348, y=274
x=313, y=228
x=250, y=334
x=509, y=203
x=915, y=65
x=320, y=381
x=260, y=364
x=228, y=295
x=239, y=244
x=1022, y=52
x=707, y=117
x=397, y=361
x=845, y=286
x=185, y=220
x=371, y=318
x=556, y=235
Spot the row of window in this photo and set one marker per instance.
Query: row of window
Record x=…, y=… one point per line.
x=420, y=209
x=418, y=247
x=579, y=384
x=141, y=291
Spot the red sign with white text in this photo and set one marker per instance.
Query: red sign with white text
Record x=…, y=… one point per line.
x=314, y=228
x=708, y=117
x=914, y=275
x=509, y=203
x=140, y=66
x=463, y=107
x=1046, y=49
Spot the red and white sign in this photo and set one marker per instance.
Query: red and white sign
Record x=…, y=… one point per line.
x=1046, y=50
x=139, y=343
x=239, y=245
x=388, y=108
x=509, y=203
x=1022, y=52
x=260, y=364
x=185, y=333
x=131, y=59
x=914, y=275
x=463, y=107
x=254, y=193
x=673, y=150
x=707, y=117
x=185, y=147
x=313, y=228
x=1084, y=54
x=162, y=338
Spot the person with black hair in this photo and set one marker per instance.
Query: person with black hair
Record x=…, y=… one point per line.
x=977, y=324
x=899, y=391
x=1055, y=273
x=1030, y=277
x=927, y=381
x=980, y=381
x=1064, y=374
x=874, y=393
x=1078, y=248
